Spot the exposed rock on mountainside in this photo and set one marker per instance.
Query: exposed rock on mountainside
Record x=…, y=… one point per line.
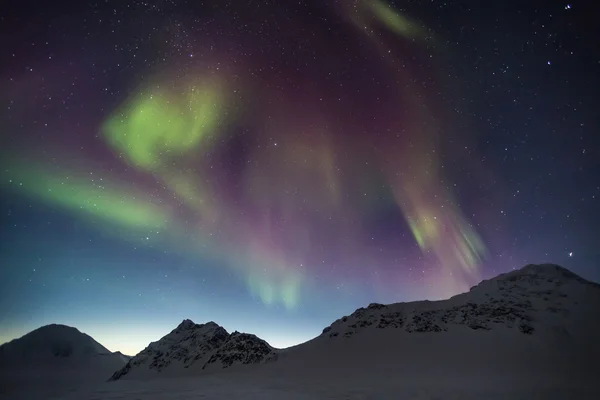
x=200, y=346
x=242, y=348
x=519, y=300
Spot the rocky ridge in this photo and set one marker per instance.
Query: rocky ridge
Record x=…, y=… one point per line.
x=193, y=345
x=515, y=300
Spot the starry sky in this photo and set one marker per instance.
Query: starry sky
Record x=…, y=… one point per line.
x=275, y=165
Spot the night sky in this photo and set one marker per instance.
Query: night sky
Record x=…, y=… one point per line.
x=274, y=165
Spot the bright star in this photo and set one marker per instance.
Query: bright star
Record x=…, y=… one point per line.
x=571, y=254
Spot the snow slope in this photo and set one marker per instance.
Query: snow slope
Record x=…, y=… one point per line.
x=234, y=385
x=540, y=323
x=55, y=357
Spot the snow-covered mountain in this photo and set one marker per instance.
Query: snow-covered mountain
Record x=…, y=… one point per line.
x=537, y=298
x=55, y=355
x=540, y=320
x=530, y=333
x=535, y=327
x=196, y=347
x=57, y=346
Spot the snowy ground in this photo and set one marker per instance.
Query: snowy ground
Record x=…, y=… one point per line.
x=372, y=366
x=244, y=387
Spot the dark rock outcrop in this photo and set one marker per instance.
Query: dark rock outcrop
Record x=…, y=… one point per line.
x=205, y=345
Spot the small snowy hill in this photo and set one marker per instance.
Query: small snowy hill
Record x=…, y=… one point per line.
x=56, y=346
x=55, y=355
x=196, y=347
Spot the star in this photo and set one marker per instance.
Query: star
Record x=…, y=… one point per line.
x=571, y=254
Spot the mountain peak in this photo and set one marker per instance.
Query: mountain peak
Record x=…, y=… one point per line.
x=536, y=273
x=198, y=347
x=56, y=345
x=549, y=269
x=186, y=324
x=56, y=328
x=523, y=300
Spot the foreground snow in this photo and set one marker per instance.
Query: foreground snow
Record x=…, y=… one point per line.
x=247, y=387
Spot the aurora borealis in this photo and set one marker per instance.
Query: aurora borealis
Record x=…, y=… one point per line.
x=272, y=167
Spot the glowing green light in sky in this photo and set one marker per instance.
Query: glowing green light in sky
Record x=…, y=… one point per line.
x=394, y=20
x=159, y=126
x=448, y=234
x=286, y=293
x=290, y=293
x=111, y=204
